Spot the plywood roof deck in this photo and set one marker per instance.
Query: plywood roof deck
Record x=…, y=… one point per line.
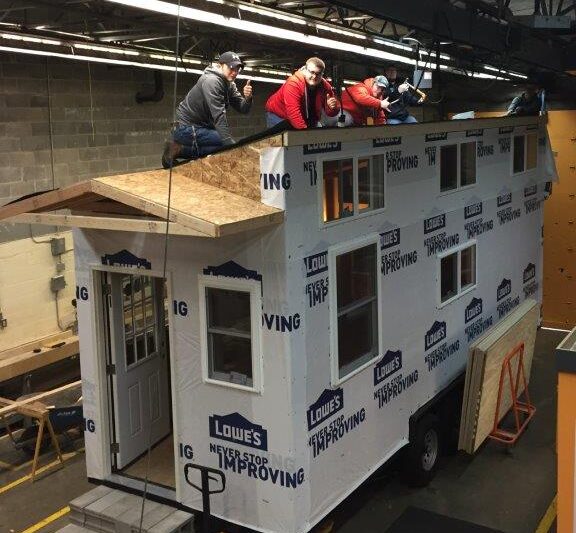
x=211, y=197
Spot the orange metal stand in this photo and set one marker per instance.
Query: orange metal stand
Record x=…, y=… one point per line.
x=523, y=410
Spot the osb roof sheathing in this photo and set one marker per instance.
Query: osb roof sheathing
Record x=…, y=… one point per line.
x=211, y=197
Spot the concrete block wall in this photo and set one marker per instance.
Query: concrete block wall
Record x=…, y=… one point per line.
x=97, y=127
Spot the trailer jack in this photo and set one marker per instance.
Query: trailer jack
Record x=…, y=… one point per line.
x=207, y=474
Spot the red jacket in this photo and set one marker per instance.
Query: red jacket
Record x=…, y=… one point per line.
x=289, y=102
x=360, y=103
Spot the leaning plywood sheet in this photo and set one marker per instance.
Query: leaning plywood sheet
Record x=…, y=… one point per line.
x=200, y=206
x=236, y=170
x=485, y=365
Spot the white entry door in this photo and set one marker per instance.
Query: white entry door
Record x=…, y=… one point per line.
x=139, y=356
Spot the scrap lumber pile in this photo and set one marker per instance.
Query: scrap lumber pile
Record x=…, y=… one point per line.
x=485, y=359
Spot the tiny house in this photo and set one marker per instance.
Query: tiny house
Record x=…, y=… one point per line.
x=304, y=312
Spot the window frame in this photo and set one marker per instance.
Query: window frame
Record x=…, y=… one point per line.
x=525, y=134
x=456, y=249
x=459, y=187
x=252, y=287
x=333, y=253
x=357, y=214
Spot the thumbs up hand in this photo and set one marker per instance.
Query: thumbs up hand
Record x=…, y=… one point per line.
x=332, y=103
x=247, y=90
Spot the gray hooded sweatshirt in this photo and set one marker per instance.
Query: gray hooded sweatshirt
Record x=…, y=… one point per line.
x=206, y=103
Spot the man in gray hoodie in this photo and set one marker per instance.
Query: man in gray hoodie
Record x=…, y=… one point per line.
x=202, y=126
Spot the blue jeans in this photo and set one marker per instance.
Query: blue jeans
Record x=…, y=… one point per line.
x=272, y=119
x=197, y=141
x=408, y=120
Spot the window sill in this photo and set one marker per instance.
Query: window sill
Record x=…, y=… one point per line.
x=338, y=381
x=231, y=385
x=457, y=296
x=351, y=218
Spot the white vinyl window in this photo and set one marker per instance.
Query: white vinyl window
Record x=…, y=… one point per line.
x=352, y=186
x=230, y=312
x=457, y=272
x=457, y=166
x=524, y=152
x=355, y=316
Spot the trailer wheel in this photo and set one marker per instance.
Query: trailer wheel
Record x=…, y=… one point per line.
x=423, y=453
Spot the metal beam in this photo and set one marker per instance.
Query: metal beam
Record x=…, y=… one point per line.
x=438, y=18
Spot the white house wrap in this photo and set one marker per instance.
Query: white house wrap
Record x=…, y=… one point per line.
x=394, y=255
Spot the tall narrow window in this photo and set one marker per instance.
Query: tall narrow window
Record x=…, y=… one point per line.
x=457, y=272
x=230, y=322
x=370, y=183
x=518, y=154
x=531, y=151
x=356, y=280
x=467, y=164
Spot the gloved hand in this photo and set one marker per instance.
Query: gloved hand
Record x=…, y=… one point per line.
x=403, y=88
x=385, y=104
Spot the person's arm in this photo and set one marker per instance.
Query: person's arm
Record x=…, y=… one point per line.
x=214, y=91
x=237, y=101
x=513, y=107
x=293, y=102
x=331, y=103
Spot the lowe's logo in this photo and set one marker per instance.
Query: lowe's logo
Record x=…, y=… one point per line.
x=435, y=334
x=328, y=404
x=125, y=258
x=473, y=210
x=440, y=136
x=434, y=223
x=505, y=129
x=316, y=264
x=475, y=133
x=388, y=365
x=504, y=199
x=386, y=141
x=473, y=310
x=390, y=238
x=530, y=191
x=529, y=272
x=504, y=289
x=320, y=148
x=235, y=428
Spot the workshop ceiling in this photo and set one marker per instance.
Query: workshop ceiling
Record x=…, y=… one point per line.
x=520, y=36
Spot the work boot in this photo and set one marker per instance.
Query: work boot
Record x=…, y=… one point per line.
x=170, y=154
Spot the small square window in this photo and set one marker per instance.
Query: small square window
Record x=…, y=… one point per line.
x=449, y=277
x=467, y=164
x=531, y=151
x=338, y=189
x=518, y=154
x=448, y=167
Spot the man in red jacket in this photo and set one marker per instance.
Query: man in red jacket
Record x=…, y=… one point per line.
x=302, y=98
x=366, y=102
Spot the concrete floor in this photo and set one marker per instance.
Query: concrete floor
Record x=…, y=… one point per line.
x=505, y=490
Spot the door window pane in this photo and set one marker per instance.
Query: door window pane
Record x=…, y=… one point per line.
x=338, y=177
x=448, y=167
x=467, y=164
x=357, y=299
x=229, y=336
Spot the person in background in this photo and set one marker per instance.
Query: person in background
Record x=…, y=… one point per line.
x=202, y=126
x=302, y=98
x=530, y=102
x=366, y=103
x=400, y=98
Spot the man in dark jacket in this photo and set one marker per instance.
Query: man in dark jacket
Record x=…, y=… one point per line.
x=528, y=103
x=400, y=98
x=202, y=126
